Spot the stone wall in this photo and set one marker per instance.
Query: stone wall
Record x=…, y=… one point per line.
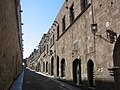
x=10, y=44
x=89, y=53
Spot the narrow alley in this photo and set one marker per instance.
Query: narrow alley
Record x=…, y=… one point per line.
x=34, y=81
x=59, y=44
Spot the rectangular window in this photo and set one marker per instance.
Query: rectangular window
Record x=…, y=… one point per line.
x=72, y=13
x=58, y=31
x=53, y=39
x=44, y=48
x=47, y=48
x=84, y=4
x=63, y=24
x=51, y=42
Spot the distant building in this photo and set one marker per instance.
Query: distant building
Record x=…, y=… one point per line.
x=10, y=42
x=32, y=59
x=82, y=46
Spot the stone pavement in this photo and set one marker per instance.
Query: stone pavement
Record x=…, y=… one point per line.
x=37, y=81
x=17, y=85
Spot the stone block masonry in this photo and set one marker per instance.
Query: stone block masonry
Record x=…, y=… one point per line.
x=10, y=43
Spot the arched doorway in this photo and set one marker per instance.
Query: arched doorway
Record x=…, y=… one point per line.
x=63, y=68
x=116, y=60
x=38, y=66
x=57, y=65
x=77, y=71
x=43, y=66
x=52, y=66
x=46, y=67
x=90, y=73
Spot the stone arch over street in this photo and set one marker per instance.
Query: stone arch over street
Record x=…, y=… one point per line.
x=116, y=60
x=77, y=71
x=90, y=73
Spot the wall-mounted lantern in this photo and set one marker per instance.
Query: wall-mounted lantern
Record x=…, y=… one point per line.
x=112, y=36
x=94, y=28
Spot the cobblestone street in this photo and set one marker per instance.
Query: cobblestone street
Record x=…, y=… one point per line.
x=34, y=81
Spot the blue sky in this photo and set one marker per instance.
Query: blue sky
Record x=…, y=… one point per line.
x=37, y=16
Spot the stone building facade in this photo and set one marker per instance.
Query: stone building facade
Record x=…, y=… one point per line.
x=82, y=46
x=10, y=42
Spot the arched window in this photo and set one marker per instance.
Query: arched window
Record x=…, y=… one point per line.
x=57, y=65
x=90, y=69
x=63, y=68
x=52, y=66
x=77, y=71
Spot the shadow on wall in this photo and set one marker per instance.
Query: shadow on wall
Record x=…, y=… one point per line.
x=99, y=85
